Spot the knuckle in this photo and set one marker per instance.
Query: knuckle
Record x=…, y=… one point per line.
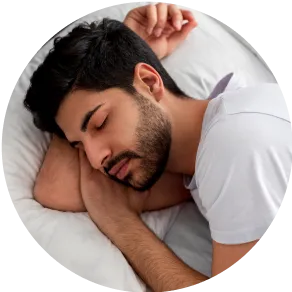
x=151, y=10
x=160, y=4
x=177, y=14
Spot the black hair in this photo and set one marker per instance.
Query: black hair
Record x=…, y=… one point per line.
x=95, y=56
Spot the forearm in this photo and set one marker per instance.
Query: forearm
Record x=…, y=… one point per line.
x=57, y=183
x=157, y=265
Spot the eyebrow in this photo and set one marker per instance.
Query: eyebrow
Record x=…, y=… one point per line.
x=85, y=121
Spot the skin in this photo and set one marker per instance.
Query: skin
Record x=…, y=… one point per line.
x=115, y=208
x=61, y=164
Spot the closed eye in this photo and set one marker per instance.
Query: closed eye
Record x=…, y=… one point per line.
x=103, y=124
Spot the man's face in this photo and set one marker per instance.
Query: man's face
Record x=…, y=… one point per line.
x=126, y=137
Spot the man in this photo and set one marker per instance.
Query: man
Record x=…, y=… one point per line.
x=132, y=123
x=61, y=161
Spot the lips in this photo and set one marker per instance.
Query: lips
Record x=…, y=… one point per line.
x=119, y=166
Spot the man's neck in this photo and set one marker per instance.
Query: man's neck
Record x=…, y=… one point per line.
x=186, y=117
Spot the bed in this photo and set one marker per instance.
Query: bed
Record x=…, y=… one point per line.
x=210, y=52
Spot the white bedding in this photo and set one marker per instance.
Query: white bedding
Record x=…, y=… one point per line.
x=210, y=52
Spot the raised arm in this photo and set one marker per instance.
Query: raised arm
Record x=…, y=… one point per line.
x=163, y=26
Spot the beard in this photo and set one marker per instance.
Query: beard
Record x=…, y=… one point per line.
x=153, y=142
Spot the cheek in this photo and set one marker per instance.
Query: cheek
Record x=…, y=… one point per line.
x=124, y=132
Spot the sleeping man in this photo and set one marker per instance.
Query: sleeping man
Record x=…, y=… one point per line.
x=103, y=90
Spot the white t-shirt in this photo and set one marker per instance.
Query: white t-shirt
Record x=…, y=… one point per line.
x=243, y=162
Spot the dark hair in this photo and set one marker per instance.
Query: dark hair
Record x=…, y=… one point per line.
x=95, y=56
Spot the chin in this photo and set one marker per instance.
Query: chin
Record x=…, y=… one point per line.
x=141, y=188
x=146, y=183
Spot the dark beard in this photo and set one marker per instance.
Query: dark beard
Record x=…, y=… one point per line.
x=153, y=135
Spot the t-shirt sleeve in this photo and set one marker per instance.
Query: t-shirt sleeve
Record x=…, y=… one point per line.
x=242, y=175
x=237, y=81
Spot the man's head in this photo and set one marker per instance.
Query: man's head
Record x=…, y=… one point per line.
x=99, y=88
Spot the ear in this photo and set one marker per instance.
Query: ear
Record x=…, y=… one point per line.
x=146, y=78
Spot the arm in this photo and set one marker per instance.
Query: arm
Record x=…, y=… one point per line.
x=57, y=184
x=156, y=264
x=112, y=207
x=245, y=181
x=225, y=255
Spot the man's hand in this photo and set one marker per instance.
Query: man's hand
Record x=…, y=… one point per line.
x=162, y=26
x=114, y=209
x=109, y=204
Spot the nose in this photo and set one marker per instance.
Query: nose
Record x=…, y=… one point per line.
x=97, y=154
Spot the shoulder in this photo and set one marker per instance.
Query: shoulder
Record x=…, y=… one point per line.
x=242, y=170
x=249, y=117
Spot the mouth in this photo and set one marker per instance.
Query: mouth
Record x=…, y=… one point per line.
x=120, y=169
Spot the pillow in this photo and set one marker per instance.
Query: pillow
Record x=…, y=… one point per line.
x=234, y=30
x=72, y=239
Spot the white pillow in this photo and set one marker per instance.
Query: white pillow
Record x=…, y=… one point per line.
x=72, y=239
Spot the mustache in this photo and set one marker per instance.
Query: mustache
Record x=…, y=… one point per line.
x=123, y=155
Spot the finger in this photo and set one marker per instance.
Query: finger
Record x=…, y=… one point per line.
x=168, y=29
x=151, y=14
x=161, y=18
x=181, y=35
x=190, y=24
x=188, y=15
x=176, y=16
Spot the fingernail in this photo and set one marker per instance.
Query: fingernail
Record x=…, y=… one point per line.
x=158, y=32
x=149, y=31
x=177, y=25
